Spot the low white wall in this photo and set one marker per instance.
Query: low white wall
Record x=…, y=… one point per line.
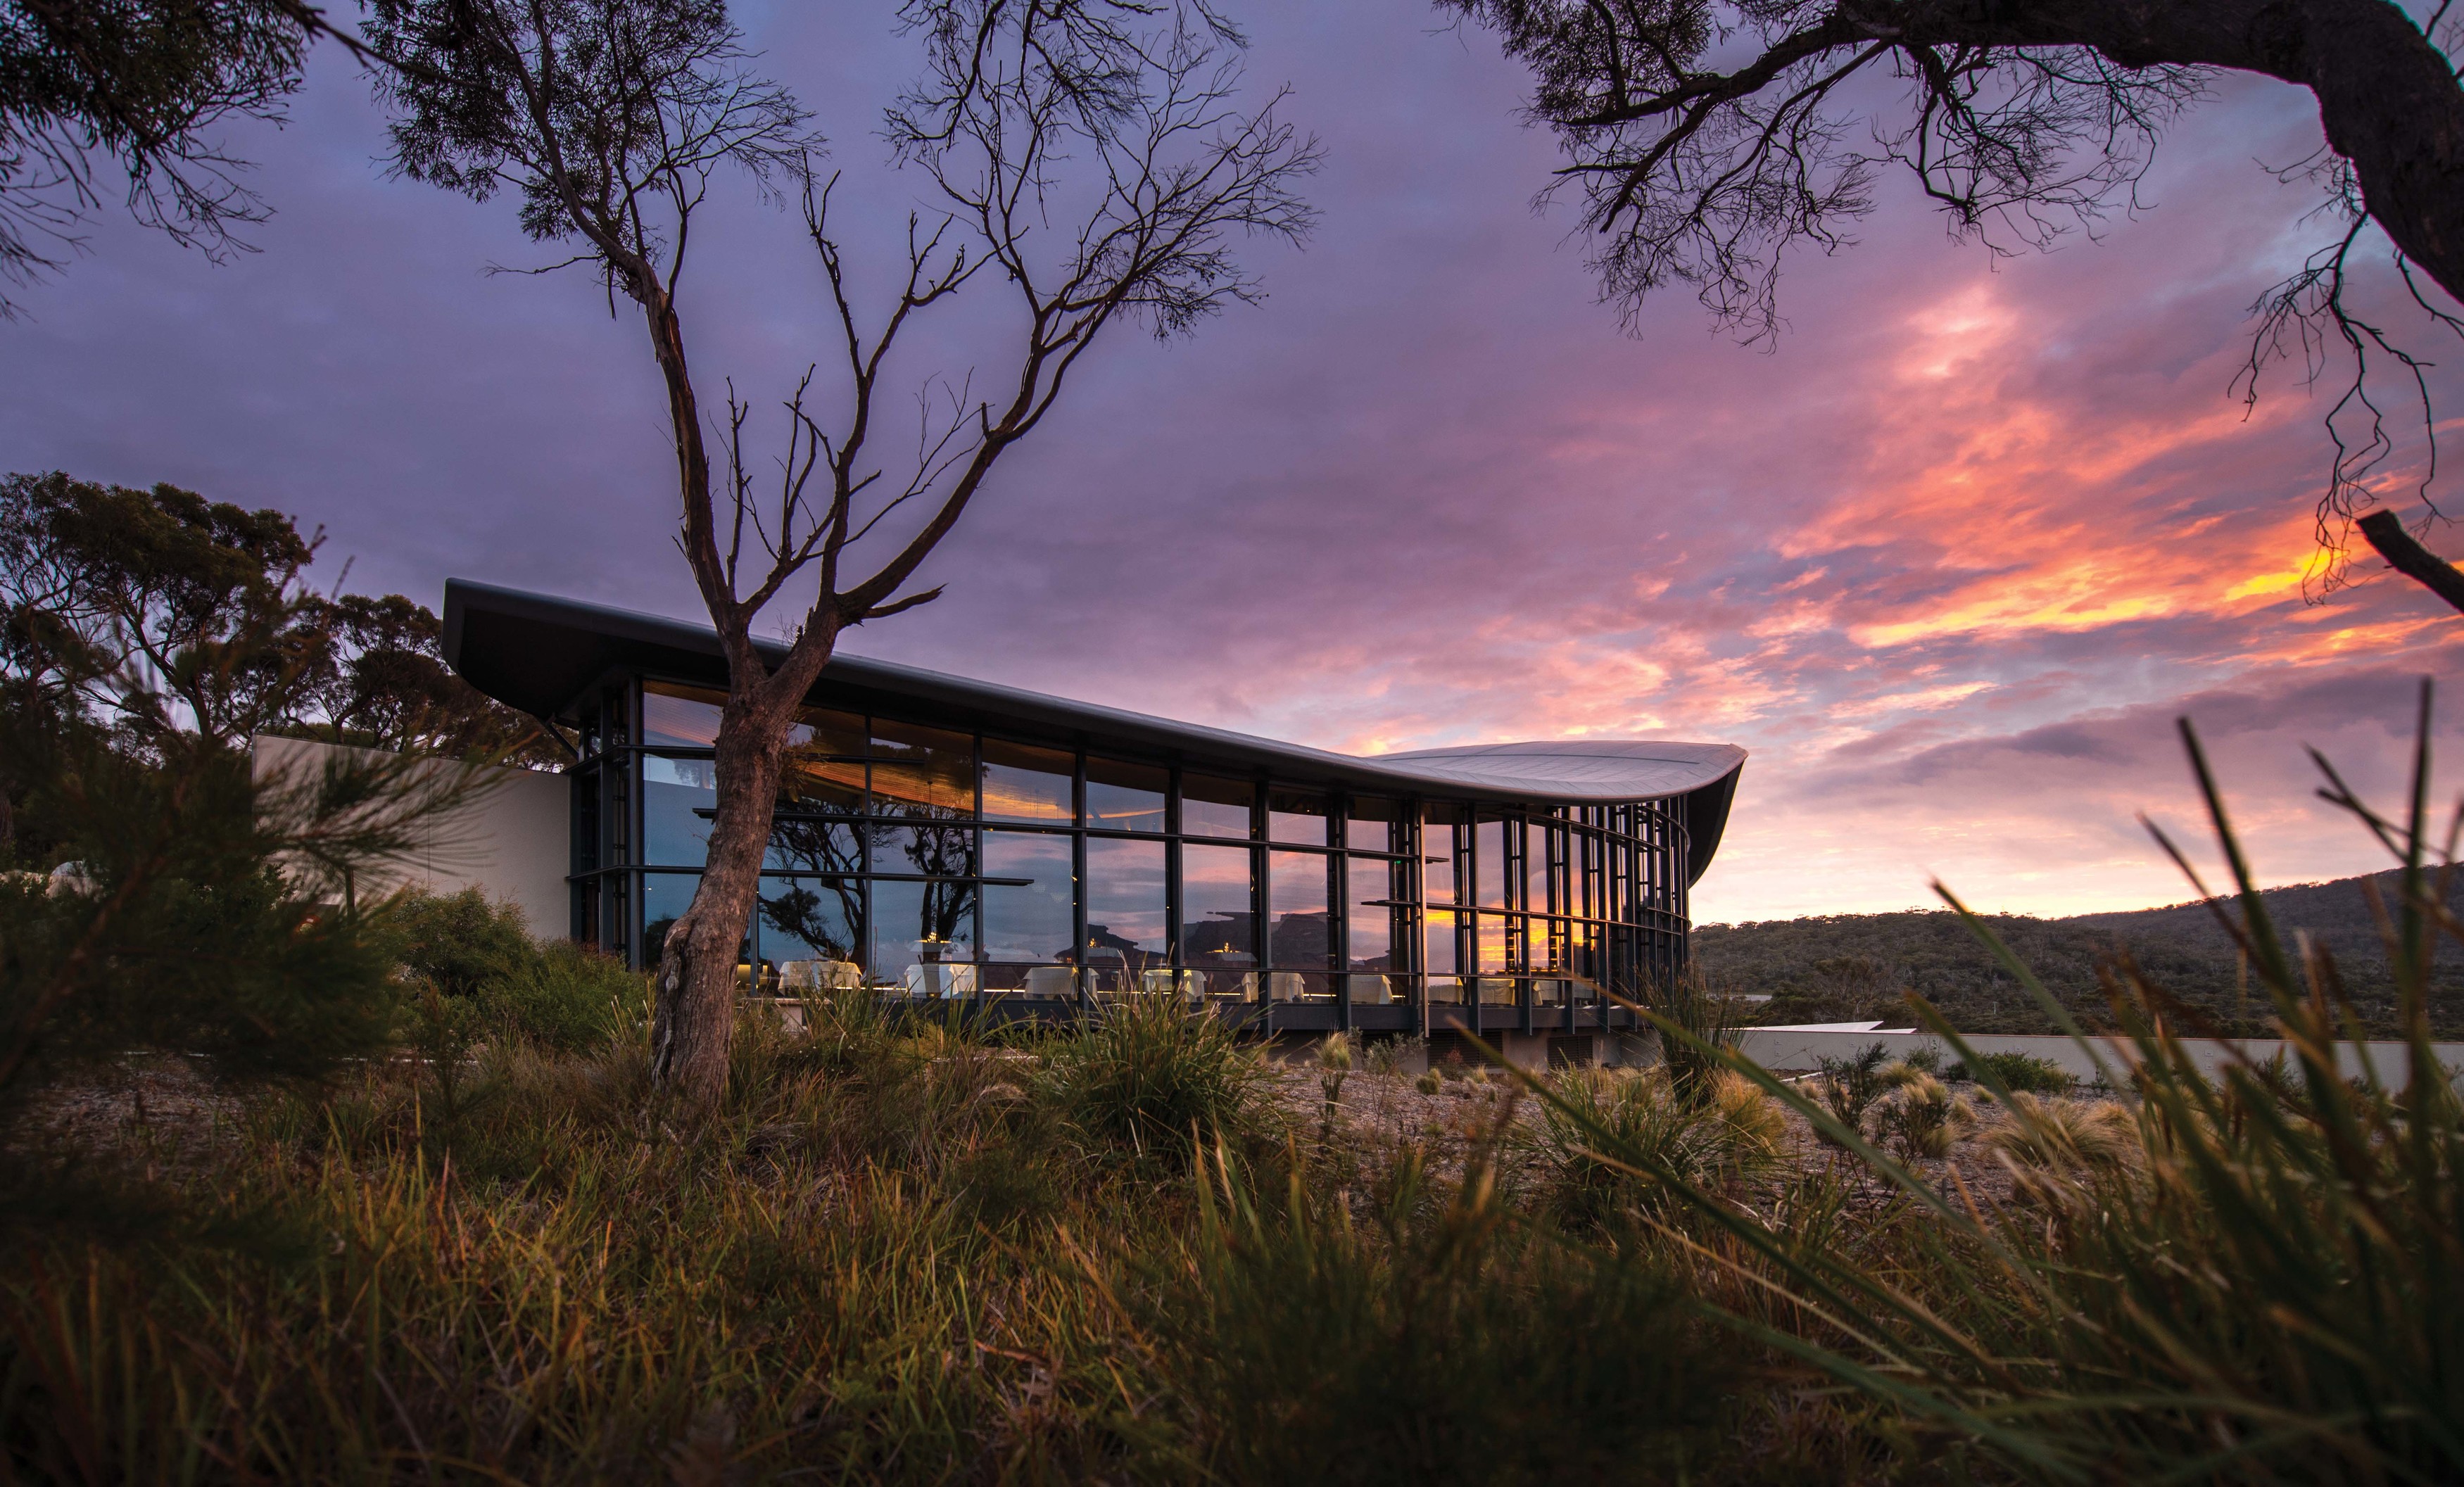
x=1774, y=1049
x=513, y=842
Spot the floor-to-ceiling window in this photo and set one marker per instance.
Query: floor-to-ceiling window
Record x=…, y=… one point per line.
x=946, y=863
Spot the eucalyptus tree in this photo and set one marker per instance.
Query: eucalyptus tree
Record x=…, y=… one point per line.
x=1707, y=136
x=1090, y=163
x=128, y=94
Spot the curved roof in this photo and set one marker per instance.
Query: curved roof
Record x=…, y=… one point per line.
x=540, y=654
x=1623, y=769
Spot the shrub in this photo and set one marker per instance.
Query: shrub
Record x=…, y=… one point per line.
x=1147, y=1074
x=1850, y=1086
x=478, y=953
x=2020, y=1073
x=460, y=943
x=1709, y=1020
x=568, y=998
x=1917, y=1122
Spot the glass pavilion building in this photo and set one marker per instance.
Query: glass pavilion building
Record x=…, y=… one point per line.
x=952, y=837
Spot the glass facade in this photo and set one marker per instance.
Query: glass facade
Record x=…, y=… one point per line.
x=935, y=863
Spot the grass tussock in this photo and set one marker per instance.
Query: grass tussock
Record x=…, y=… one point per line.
x=1422, y=1340
x=1150, y=1080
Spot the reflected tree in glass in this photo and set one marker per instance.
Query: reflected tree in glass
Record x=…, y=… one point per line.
x=819, y=916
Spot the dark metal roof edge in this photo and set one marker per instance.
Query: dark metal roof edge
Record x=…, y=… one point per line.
x=1064, y=715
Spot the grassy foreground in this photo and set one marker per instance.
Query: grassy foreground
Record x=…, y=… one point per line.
x=899, y=1253
x=1135, y=1251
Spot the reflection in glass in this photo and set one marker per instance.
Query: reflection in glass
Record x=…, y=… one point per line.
x=1030, y=923
x=1371, y=927
x=1296, y=816
x=919, y=924
x=673, y=792
x=1125, y=797
x=1490, y=946
x=941, y=852
x=1297, y=891
x=810, y=782
x=1368, y=825
x=1218, y=929
x=1620, y=882
x=1125, y=908
x=1438, y=854
x=1211, y=807
x=1590, y=863
x=1536, y=856
x=684, y=717
x=1488, y=854
x=1545, y=945
x=809, y=919
x=1438, y=949
x=922, y=771
x=815, y=846
x=1583, y=959
x=1022, y=783
x=821, y=731
x=665, y=898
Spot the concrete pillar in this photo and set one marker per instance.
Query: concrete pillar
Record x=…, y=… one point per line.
x=1527, y=1051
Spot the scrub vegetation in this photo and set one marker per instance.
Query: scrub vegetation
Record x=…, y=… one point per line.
x=309, y=1187
x=1838, y=968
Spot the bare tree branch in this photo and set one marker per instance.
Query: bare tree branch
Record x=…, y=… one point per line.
x=2405, y=553
x=612, y=117
x=2022, y=121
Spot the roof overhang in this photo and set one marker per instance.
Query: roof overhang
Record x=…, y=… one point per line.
x=542, y=655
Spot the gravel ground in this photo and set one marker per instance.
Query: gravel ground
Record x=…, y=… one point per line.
x=156, y=1111
x=1385, y=1110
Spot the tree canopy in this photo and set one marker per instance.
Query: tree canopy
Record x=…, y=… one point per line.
x=114, y=601
x=103, y=95
x=1708, y=137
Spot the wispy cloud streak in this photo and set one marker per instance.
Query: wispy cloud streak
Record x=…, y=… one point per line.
x=1948, y=559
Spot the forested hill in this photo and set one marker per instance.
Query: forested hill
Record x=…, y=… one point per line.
x=1850, y=967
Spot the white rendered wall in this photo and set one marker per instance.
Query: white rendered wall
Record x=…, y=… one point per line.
x=1775, y=1048
x=513, y=842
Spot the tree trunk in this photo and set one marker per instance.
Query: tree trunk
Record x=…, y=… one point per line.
x=2389, y=102
x=2387, y=97
x=696, y=1014
x=693, y=1014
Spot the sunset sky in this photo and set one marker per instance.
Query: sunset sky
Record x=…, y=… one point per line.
x=1948, y=560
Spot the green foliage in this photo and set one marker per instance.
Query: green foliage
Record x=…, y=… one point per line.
x=579, y=1283
x=481, y=954
x=570, y=996
x=1148, y=1077
x=201, y=602
x=130, y=89
x=178, y=933
x=1708, y=1020
x=2022, y=1072
x=1850, y=1085
x=459, y=942
x=204, y=919
x=1437, y=1344
x=1917, y=1121
x=1710, y=1143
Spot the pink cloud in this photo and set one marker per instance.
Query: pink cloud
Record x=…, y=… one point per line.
x=1948, y=560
